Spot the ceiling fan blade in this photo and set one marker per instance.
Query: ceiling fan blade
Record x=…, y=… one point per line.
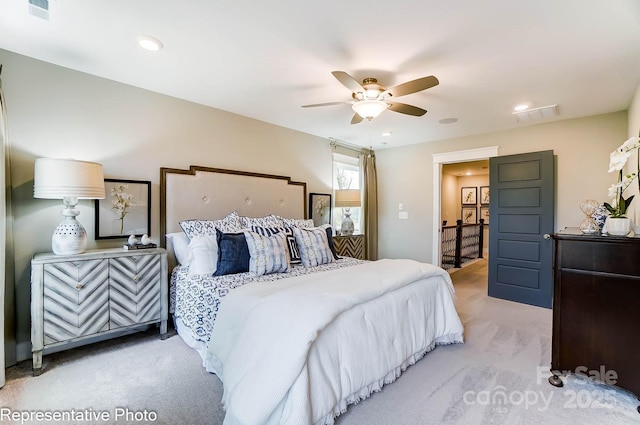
x=356, y=119
x=348, y=81
x=403, y=108
x=412, y=86
x=313, y=105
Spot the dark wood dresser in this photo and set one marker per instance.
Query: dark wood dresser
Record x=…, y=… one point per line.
x=596, y=308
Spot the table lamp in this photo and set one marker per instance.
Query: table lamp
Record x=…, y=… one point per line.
x=346, y=199
x=69, y=180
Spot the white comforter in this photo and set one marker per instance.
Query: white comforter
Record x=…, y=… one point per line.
x=297, y=351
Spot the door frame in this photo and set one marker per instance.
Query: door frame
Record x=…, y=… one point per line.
x=450, y=158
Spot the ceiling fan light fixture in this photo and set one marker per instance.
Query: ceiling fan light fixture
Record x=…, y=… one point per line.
x=369, y=109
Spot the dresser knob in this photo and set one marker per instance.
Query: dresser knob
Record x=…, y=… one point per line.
x=79, y=286
x=136, y=278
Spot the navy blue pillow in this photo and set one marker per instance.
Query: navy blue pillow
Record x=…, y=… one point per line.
x=233, y=253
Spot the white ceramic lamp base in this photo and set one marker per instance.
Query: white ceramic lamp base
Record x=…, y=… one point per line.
x=69, y=238
x=347, y=224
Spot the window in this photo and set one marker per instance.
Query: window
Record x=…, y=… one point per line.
x=346, y=175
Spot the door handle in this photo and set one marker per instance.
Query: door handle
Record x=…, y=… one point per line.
x=546, y=236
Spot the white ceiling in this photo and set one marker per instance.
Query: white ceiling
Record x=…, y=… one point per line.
x=264, y=59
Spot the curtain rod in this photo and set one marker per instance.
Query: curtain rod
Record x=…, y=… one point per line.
x=333, y=142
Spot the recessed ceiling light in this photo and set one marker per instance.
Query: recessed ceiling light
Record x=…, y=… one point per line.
x=386, y=133
x=150, y=43
x=468, y=173
x=522, y=107
x=448, y=120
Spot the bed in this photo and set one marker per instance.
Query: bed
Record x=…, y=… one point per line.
x=292, y=343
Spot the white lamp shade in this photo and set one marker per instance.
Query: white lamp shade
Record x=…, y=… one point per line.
x=347, y=198
x=60, y=178
x=369, y=109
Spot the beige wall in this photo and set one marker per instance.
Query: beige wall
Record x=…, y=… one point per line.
x=405, y=174
x=449, y=208
x=57, y=112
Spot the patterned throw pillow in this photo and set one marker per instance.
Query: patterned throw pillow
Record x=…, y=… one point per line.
x=313, y=246
x=196, y=227
x=329, y=230
x=233, y=253
x=266, y=221
x=269, y=254
x=297, y=222
x=294, y=253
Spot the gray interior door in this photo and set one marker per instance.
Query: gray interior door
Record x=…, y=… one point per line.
x=521, y=213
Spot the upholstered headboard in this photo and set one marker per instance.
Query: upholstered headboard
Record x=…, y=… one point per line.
x=212, y=193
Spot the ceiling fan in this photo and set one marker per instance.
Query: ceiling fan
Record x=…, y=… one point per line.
x=370, y=99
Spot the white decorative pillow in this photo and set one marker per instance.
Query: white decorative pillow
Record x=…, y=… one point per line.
x=196, y=227
x=204, y=250
x=313, y=246
x=178, y=243
x=268, y=254
x=266, y=221
x=297, y=222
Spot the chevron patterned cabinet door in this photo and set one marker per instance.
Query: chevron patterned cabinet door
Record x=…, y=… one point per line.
x=76, y=294
x=134, y=290
x=350, y=246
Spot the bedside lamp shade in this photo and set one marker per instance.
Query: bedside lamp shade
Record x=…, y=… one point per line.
x=69, y=180
x=346, y=199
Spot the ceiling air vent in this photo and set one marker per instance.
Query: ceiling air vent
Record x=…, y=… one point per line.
x=536, y=113
x=39, y=8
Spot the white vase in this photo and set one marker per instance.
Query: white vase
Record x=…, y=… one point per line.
x=618, y=226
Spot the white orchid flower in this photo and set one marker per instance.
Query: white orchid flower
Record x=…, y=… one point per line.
x=618, y=159
x=630, y=144
x=613, y=190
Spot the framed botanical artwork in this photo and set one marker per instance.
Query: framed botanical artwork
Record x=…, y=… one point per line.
x=320, y=208
x=484, y=195
x=125, y=210
x=484, y=213
x=469, y=215
x=469, y=195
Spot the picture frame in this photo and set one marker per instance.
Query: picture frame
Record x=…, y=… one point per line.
x=469, y=215
x=469, y=195
x=484, y=195
x=125, y=211
x=484, y=213
x=320, y=208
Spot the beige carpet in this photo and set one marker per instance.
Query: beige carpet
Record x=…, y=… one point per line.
x=491, y=379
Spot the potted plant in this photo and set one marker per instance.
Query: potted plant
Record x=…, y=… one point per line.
x=617, y=223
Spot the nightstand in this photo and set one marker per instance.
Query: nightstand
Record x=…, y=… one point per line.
x=350, y=246
x=105, y=292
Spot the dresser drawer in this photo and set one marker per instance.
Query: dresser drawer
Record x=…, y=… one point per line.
x=610, y=256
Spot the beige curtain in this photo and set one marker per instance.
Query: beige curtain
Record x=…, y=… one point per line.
x=370, y=200
x=6, y=237
x=3, y=221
